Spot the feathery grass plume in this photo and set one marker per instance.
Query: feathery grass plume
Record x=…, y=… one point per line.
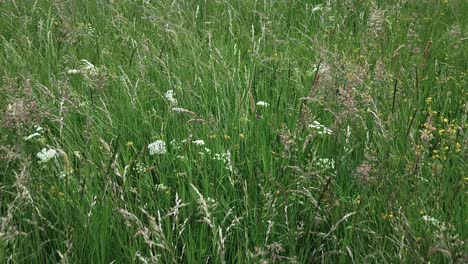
x=182, y=110
x=95, y=77
x=286, y=138
x=153, y=235
x=376, y=21
x=205, y=210
x=22, y=107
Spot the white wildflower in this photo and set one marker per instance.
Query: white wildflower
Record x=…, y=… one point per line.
x=321, y=129
x=432, y=220
x=325, y=163
x=157, y=147
x=322, y=68
x=199, y=142
x=161, y=187
x=46, y=155
x=263, y=103
x=226, y=158
x=205, y=151
x=170, y=97
x=73, y=72
x=315, y=125
x=140, y=168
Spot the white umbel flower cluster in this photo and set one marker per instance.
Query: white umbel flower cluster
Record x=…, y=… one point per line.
x=157, y=147
x=321, y=129
x=199, y=142
x=170, y=96
x=263, y=103
x=73, y=71
x=226, y=158
x=432, y=220
x=46, y=155
x=326, y=164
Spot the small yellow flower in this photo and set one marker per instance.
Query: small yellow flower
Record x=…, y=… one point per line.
x=129, y=143
x=387, y=216
x=457, y=147
x=441, y=131
x=435, y=151
x=445, y=120
x=429, y=100
x=358, y=199
x=227, y=137
x=242, y=136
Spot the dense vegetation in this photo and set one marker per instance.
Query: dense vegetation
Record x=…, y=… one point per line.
x=233, y=131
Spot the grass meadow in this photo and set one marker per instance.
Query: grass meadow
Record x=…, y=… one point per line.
x=233, y=131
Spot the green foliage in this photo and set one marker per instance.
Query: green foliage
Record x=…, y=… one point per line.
x=357, y=154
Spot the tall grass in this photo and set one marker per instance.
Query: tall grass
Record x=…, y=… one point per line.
x=357, y=156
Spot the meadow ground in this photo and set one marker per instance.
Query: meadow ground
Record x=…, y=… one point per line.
x=243, y=131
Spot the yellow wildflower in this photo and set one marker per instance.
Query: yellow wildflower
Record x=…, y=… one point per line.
x=457, y=147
